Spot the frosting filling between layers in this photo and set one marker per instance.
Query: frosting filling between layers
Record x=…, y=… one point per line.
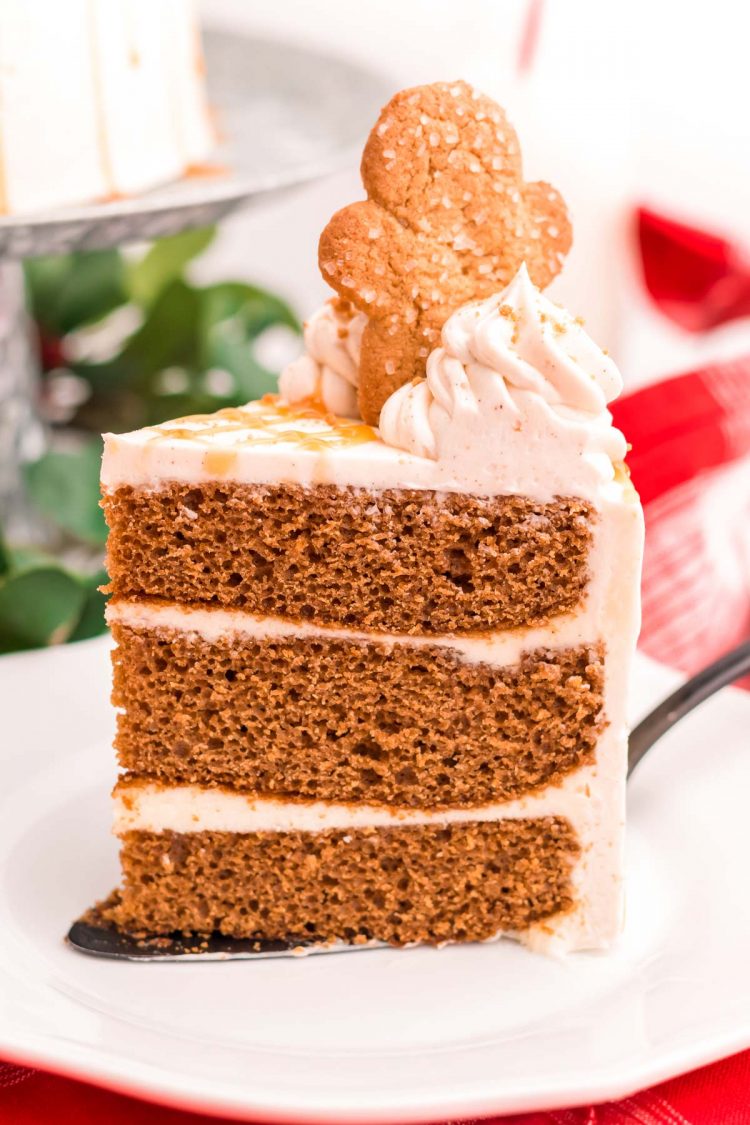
x=143, y=806
x=498, y=649
x=593, y=812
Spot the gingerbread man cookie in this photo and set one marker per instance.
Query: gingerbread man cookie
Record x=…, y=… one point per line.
x=448, y=219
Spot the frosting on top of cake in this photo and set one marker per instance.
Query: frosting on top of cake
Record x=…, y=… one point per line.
x=329, y=369
x=517, y=386
x=514, y=399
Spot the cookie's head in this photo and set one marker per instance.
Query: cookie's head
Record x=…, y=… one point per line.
x=448, y=219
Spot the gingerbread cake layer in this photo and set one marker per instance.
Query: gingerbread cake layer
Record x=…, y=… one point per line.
x=331, y=719
x=394, y=560
x=429, y=883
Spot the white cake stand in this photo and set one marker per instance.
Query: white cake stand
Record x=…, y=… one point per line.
x=286, y=114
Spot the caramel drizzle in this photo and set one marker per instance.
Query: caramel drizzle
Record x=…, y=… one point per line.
x=206, y=170
x=264, y=427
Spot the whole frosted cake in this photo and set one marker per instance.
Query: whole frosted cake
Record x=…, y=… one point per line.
x=374, y=634
x=98, y=99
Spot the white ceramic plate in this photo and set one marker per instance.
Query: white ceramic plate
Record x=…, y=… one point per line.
x=376, y=1036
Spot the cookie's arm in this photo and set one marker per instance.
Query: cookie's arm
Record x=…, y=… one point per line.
x=364, y=255
x=547, y=215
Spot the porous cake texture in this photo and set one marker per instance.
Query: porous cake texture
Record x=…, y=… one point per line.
x=424, y=883
x=371, y=678
x=396, y=560
x=324, y=718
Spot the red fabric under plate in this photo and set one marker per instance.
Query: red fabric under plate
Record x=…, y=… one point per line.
x=714, y=1095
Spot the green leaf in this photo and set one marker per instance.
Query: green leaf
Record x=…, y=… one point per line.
x=229, y=348
x=94, y=287
x=65, y=486
x=75, y=289
x=234, y=315
x=38, y=606
x=91, y=621
x=168, y=337
x=4, y=555
x=45, y=277
x=165, y=262
x=257, y=309
x=28, y=558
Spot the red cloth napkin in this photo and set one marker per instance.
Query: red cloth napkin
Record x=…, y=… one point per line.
x=690, y=459
x=691, y=463
x=697, y=279
x=714, y=1095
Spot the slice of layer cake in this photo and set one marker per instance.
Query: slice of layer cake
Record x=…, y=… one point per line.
x=371, y=680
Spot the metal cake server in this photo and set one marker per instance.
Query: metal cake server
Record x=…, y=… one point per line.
x=91, y=935
x=732, y=666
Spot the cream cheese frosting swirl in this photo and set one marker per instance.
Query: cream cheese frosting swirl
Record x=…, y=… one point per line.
x=517, y=392
x=328, y=372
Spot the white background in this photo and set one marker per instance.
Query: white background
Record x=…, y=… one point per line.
x=626, y=103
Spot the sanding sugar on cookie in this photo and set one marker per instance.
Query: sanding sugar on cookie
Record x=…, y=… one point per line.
x=448, y=219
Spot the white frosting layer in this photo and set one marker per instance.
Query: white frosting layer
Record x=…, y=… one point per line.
x=328, y=372
x=514, y=402
x=141, y=806
x=98, y=99
x=307, y=448
x=499, y=649
x=517, y=392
